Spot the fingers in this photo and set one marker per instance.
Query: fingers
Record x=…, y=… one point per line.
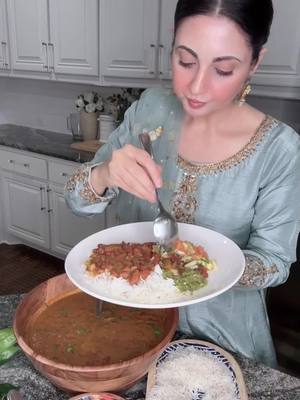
x=133, y=170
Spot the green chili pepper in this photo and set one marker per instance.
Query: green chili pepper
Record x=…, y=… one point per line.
x=7, y=353
x=7, y=338
x=7, y=344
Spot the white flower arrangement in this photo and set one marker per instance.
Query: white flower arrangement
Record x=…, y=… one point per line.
x=89, y=102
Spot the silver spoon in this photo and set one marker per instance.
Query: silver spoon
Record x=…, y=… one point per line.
x=165, y=227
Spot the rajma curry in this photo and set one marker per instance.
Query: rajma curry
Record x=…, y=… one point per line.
x=69, y=332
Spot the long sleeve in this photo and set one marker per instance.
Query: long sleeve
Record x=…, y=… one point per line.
x=272, y=244
x=79, y=194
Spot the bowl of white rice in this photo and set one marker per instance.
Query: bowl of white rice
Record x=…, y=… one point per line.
x=195, y=370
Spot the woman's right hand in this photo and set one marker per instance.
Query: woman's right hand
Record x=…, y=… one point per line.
x=131, y=169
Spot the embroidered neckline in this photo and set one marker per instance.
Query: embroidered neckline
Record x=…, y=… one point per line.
x=266, y=126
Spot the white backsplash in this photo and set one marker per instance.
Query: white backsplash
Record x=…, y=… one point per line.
x=46, y=104
x=41, y=104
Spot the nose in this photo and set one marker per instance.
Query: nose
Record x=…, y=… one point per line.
x=199, y=83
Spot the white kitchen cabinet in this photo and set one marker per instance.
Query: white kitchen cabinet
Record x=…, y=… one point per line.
x=73, y=47
x=53, y=37
x=25, y=209
x=136, y=38
x=28, y=29
x=279, y=73
x=4, y=54
x=32, y=203
x=67, y=229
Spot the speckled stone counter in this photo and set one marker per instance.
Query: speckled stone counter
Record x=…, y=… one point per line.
x=40, y=141
x=263, y=383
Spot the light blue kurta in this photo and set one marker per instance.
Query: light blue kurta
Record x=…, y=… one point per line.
x=252, y=197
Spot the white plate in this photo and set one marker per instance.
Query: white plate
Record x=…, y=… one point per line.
x=228, y=256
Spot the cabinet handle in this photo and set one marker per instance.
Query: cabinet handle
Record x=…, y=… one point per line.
x=11, y=161
x=64, y=174
x=4, y=45
x=46, y=63
x=26, y=165
x=152, y=59
x=42, y=189
x=52, y=56
x=160, y=58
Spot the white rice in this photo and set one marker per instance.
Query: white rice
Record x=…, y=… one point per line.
x=187, y=370
x=155, y=289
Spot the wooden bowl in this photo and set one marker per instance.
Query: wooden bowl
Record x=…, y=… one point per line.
x=113, y=377
x=97, y=396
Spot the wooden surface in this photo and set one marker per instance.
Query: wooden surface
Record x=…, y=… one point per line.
x=113, y=377
x=88, y=146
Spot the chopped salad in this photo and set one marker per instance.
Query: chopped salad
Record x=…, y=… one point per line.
x=187, y=264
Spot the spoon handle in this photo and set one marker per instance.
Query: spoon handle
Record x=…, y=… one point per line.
x=146, y=143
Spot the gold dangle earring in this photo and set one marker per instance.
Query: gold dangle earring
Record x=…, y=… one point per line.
x=244, y=94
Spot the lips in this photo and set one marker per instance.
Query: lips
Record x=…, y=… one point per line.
x=195, y=104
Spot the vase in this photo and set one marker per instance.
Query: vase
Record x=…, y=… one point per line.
x=106, y=126
x=89, y=125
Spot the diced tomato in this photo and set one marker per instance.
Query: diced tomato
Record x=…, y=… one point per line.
x=179, y=245
x=203, y=271
x=199, y=250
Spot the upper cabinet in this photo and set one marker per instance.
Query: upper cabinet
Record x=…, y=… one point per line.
x=279, y=73
x=4, y=51
x=74, y=36
x=135, y=39
x=54, y=36
x=28, y=25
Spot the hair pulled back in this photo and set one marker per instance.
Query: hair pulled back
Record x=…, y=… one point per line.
x=254, y=17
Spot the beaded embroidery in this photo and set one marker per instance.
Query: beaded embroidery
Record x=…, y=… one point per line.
x=82, y=175
x=213, y=168
x=184, y=204
x=256, y=274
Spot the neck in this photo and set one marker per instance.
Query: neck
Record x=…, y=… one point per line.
x=215, y=122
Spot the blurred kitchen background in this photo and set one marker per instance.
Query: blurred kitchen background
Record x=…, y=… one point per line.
x=106, y=46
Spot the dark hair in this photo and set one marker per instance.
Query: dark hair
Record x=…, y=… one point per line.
x=254, y=17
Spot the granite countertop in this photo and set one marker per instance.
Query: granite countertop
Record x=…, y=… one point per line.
x=263, y=383
x=40, y=141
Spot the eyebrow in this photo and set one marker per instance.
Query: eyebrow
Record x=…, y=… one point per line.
x=217, y=59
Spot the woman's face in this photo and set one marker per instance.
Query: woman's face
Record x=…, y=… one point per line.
x=211, y=62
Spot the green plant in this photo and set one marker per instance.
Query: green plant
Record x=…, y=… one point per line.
x=118, y=103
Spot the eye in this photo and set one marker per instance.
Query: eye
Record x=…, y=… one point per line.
x=186, y=64
x=223, y=73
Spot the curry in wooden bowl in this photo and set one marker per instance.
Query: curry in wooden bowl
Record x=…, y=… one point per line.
x=57, y=327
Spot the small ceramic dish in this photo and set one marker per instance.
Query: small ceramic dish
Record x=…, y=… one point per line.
x=215, y=352
x=97, y=396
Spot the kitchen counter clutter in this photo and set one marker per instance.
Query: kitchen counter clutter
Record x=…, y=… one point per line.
x=40, y=141
x=263, y=383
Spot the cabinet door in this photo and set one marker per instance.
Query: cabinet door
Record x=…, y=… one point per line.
x=28, y=28
x=67, y=229
x=73, y=48
x=4, y=59
x=166, y=38
x=25, y=210
x=281, y=64
x=128, y=38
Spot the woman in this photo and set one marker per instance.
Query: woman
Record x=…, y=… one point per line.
x=223, y=165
